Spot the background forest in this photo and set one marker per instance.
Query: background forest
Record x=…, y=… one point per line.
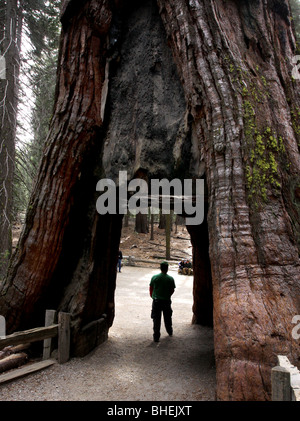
x=29, y=40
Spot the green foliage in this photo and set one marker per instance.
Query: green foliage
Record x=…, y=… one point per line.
x=41, y=18
x=262, y=171
x=295, y=8
x=263, y=148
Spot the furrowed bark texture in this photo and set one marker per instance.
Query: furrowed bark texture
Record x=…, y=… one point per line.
x=235, y=121
x=234, y=60
x=60, y=213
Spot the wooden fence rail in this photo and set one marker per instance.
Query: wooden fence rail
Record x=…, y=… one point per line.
x=131, y=261
x=46, y=333
x=285, y=381
x=29, y=336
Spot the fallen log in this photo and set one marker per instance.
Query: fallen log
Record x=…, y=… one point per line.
x=174, y=258
x=12, y=361
x=13, y=350
x=5, y=352
x=18, y=348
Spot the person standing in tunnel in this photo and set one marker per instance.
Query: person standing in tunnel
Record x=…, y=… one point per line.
x=120, y=257
x=162, y=287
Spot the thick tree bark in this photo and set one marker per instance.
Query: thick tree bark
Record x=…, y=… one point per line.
x=241, y=130
x=51, y=246
x=240, y=92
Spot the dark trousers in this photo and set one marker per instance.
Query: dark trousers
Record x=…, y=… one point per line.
x=160, y=307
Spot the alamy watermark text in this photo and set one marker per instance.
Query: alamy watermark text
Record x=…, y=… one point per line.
x=186, y=197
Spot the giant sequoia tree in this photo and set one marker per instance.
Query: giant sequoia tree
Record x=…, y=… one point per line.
x=183, y=88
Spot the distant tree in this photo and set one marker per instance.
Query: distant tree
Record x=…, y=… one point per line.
x=162, y=220
x=151, y=226
x=141, y=223
x=44, y=79
x=295, y=7
x=38, y=19
x=11, y=24
x=41, y=79
x=168, y=218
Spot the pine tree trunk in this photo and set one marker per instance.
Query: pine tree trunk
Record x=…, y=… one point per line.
x=234, y=62
x=168, y=236
x=9, y=88
x=152, y=227
x=162, y=221
x=141, y=223
x=126, y=220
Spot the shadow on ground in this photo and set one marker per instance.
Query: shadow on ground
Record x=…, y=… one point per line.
x=130, y=366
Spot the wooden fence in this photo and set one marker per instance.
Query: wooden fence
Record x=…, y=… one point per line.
x=131, y=261
x=285, y=381
x=61, y=330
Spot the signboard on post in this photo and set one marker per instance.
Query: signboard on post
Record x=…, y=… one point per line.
x=2, y=327
x=2, y=67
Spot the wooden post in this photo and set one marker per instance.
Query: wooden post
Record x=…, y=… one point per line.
x=63, y=337
x=2, y=327
x=281, y=384
x=131, y=261
x=152, y=226
x=49, y=320
x=168, y=236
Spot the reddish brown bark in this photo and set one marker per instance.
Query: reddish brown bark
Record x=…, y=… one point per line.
x=72, y=137
x=253, y=252
x=234, y=60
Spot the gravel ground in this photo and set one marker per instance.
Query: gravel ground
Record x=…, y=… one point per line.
x=130, y=366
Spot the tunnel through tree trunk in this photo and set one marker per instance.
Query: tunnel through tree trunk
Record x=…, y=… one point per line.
x=231, y=110
x=202, y=289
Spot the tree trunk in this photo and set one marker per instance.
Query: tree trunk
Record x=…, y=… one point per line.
x=141, y=223
x=243, y=101
x=152, y=227
x=162, y=221
x=240, y=130
x=63, y=235
x=168, y=236
x=8, y=122
x=126, y=220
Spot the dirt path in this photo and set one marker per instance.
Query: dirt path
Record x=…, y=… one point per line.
x=130, y=366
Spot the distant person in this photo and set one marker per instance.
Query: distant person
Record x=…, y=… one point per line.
x=162, y=286
x=120, y=257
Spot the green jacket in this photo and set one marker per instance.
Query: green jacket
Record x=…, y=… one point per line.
x=162, y=286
